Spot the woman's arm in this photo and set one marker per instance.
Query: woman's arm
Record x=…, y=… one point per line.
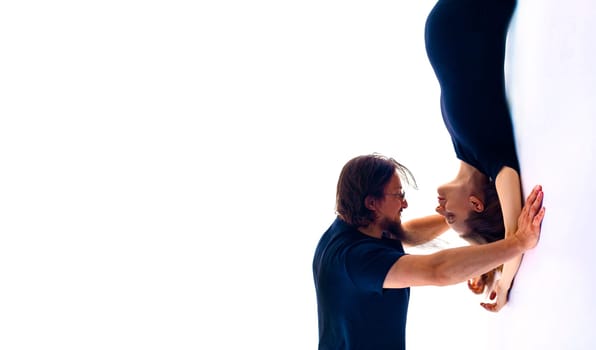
x=508, y=186
x=421, y=230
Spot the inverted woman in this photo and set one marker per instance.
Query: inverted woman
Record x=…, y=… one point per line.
x=465, y=43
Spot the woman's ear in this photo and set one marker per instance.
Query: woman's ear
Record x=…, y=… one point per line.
x=476, y=204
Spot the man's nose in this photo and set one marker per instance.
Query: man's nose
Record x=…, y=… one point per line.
x=439, y=209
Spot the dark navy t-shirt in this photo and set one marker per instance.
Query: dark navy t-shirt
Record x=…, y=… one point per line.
x=354, y=310
x=465, y=43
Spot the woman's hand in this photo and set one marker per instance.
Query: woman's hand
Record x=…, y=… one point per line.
x=499, y=295
x=485, y=282
x=476, y=285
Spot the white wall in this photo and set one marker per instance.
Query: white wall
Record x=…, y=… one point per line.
x=553, y=81
x=167, y=167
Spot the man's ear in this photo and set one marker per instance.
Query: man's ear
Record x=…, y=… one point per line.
x=370, y=203
x=476, y=204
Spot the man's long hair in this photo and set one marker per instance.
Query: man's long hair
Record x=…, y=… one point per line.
x=366, y=175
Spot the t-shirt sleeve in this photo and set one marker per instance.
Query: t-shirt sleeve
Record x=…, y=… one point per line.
x=368, y=263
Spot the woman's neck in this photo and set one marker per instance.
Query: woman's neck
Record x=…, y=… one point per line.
x=470, y=175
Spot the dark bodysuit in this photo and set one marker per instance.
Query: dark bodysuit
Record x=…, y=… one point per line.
x=465, y=43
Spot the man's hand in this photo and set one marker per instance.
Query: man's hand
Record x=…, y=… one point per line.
x=530, y=219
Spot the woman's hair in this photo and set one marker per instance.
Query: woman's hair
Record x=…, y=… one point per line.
x=366, y=175
x=486, y=226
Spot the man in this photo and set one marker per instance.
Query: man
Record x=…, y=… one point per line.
x=362, y=274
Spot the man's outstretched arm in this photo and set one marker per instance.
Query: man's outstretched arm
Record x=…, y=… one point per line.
x=451, y=266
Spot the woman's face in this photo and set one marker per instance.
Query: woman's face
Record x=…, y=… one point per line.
x=455, y=204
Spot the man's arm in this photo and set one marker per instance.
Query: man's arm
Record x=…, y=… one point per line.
x=424, y=229
x=456, y=265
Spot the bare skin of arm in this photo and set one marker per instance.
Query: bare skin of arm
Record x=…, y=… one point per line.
x=422, y=230
x=451, y=266
x=509, y=191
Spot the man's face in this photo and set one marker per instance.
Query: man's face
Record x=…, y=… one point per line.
x=391, y=206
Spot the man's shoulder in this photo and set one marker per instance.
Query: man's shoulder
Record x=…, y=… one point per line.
x=338, y=236
x=342, y=231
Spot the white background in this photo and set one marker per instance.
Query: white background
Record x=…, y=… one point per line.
x=167, y=168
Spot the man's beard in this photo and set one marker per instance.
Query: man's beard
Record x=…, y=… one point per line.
x=392, y=227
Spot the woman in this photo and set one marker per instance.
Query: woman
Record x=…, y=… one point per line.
x=465, y=43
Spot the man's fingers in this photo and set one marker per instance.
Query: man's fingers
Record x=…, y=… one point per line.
x=534, y=202
x=538, y=218
x=534, y=193
x=538, y=201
